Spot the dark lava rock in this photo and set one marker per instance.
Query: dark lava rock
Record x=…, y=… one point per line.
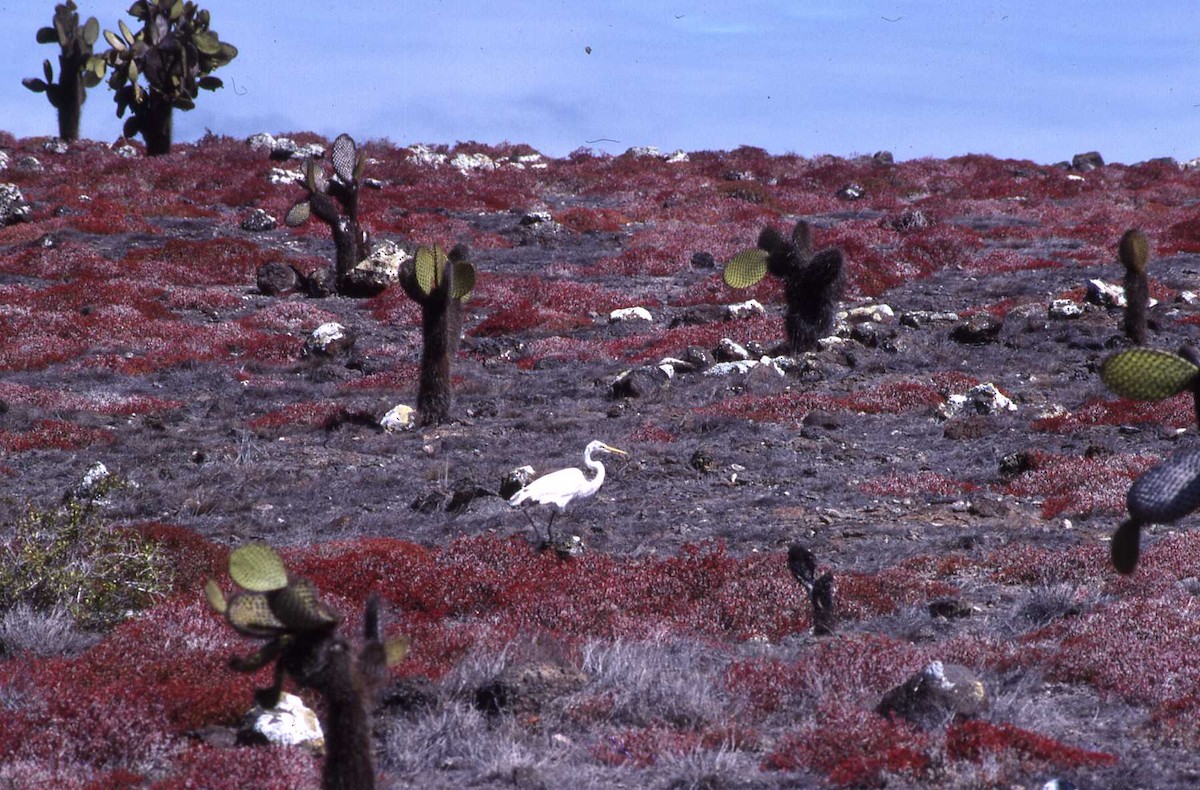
x=321, y=283
x=698, y=357
x=975, y=426
x=640, y=382
x=466, y=492
x=1017, y=463
x=949, y=608
x=279, y=279
x=883, y=158
x=702, y=461
x=409, y=695
x=259, y=221
x=13, y=207
x=514, y=481
x=906, y=222
x=852, y=192
x=703, y=260
x=935, y=695
x=1087, y=162
x=700, y=314
x=978, y=330
x=528, y=688
x=820, y=418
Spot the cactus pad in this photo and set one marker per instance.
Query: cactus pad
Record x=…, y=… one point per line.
x=298, y=214
x=297, y=607
x=1166, y=492
x=216, y=598
x=746, y=268
x=257, y=567
x=1125, y=546
x=1134, y=251
x=1146, y=374
x=345, y=156
x=429, y=264
x=250, y=614
x=395, y=650
x=464, y=280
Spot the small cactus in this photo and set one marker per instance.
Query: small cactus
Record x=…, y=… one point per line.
x=1147, y=374
x=75, y=68
x=1134, y=252
x=334, y=201
x=175, y=52
x=813, y=283
x=803, y=565
x=440, y=283
x=1163, y=494
x=302, y=641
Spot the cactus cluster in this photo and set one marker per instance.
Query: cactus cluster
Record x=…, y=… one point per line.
x=78, y=69
x=175, y=52
x=303, y=642
x=1171, y=490
x=334, y=201
x=803, y=565
x=1134, y=252
x=813, y=284
x=440, y=283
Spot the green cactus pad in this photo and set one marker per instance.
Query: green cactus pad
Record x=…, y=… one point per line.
x=297, y=607
x=345, y=156
x=464, y=280
x=1146, y=374
x=216, y=598
x=256, y=567
x=1134, y=251
x=429, y=264
x=298, y=214
x=396, y=650
x=250, y=614
x=746, y=268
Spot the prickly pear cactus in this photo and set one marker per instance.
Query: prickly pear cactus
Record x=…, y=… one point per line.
x=257, y=567
x=1166, y=492
x=78, y=68
x=1147, y=374
x=1134, y=251
x=746, y=268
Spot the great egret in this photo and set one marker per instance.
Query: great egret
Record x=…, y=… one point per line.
x=566, y=485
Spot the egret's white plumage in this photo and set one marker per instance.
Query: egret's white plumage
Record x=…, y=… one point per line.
x=566, y=485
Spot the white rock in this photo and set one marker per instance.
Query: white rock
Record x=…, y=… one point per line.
x=261, y=142
x=729, y=350
x=56, y=145
x=746, y=309
x=1073, y=177
x=3, y=161
x=677, y=156
x=643, y=150
x=310, y=151
x=13, y=206
x=277, y=175
x=981, y=399
x=289, y=723
x=630, y=314
x=1105, y=294
x=127, y=152
x=328, y=338
x=877, y=313
x=729, y=368
x=1065, y=308
x=1191, y=164
x=401, y=417
x=529, y=159
x=385, y=261
x=467, y=163
x=1188, y=297
x=426, y=156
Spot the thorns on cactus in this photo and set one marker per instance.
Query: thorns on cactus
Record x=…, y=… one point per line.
x=175, y=52
x=334, y=201
x=303, y=643
x=1164, y=494
x=1134, y=251
x=440, y=283
x=75, y=69
x=1147, y=374
x=813, y=283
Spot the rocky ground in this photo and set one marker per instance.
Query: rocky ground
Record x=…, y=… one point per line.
x=137, y=338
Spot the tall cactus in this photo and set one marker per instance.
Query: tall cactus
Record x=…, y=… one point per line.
x=75, y=74
x=1134, y=252
x=813, y=284
x=334, y=201
x=303, y=642
x=440, y=283
x=176, y=53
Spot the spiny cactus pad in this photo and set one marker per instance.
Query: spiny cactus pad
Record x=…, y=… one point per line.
x=1134, y=251
x=746, y=268
x=1147, y=374
x=257, y=567
x=345, y=156
x=297, y=607
x=216, y=598
x=251, y=614
x=429, y=266
x=1166, y=492
x=464, y=280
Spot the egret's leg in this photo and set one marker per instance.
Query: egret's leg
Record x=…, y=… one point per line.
x=550, y=528
x=532, y=524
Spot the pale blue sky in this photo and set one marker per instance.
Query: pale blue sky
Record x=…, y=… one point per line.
x=1014, y=78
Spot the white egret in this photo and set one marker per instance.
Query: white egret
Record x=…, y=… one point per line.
x=566, y=485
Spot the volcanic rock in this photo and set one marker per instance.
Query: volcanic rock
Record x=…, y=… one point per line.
x=935, y=695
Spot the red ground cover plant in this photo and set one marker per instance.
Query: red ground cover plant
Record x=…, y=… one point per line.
x=1079, y=486
x=52, y=435
x=320, y=414
x=99, y=403
x=894, y=397
x=1177, y=412
x=897, y=484
x=976, y=741
x=643, y=746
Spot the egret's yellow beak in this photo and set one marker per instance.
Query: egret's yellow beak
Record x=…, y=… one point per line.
x=612, y=449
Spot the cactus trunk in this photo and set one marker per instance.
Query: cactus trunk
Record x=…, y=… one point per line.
x=348, y=758
x=156, y=126
x=70, y=107
x=438, y=322
x=1137, y=300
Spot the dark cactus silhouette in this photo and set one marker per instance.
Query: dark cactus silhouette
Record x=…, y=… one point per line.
x=176, y=53
x=334, y=201
x=303, y=642
x=813, y=284
x=440, y=283
x=803, y=565
x=78, y=69
x=1134, y=251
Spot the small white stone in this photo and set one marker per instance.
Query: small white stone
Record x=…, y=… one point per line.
x=877, y=313
x=467, y=163
x=677, y=156
x=1105, y=294
x=261, y=142
x=1065, y=308
x=1188, y=297
x=289, y=723
x=279, y=176
x=400, y=418
x=426, y=156
x=746, y=309
x=630, y=314
x=643, y=150
x=1073, y=177
x=729, y=368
